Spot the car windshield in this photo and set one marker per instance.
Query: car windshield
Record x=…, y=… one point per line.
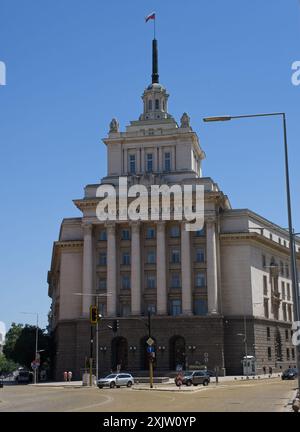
x=187, y=373
x=110, y=376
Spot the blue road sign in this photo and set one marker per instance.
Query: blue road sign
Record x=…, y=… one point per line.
x=150, y=349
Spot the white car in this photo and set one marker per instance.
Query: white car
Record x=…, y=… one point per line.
x=116, y=380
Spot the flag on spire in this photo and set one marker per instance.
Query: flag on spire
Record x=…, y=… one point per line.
x=150, y=17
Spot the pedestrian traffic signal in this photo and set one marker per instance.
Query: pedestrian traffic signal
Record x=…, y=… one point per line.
x=94, y=314
x=115, y=326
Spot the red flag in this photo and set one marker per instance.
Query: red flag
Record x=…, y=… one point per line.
x=149, y=17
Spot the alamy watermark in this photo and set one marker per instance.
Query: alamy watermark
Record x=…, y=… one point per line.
x=2, y=73
x=154, y=203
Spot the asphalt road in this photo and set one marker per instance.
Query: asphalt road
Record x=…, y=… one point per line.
x=263, y=396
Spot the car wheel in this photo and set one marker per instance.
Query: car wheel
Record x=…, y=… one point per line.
x=195, y=385
x=189, y=383
x=112, y=384
x=100, y=387
x=205, y=383
x=129, y=384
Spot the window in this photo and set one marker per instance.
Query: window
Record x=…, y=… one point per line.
x=200, y=307
x=287, y=353
x=200, y=279
x=284, y=312
x=167, y=161
x=264, y=261
x=269, y=353
x=151, y=281
x=279, y=240
x=151, y=257
x=126, y=258
x=281, y=268
x=284, y=243
x=293, y=353
x=174, y=231
x=265, y=283
x=287, y=271
x=288, y=291
x=200, y=255
x=126, y=282
x=175, y=256
x=266, y=308
x=102, y=235
x=102, y=309
x=290, y=312
x=102, y=284
x=125, y=310
x=268, y=333
x=286, y=335
x=200, y=233
x=102, y=259
x=150, y=233
x=271, y=236
x=283, y=290
x=150, y=105
x=175, y=306
x=157, y=104
x=132, y=164
x=149, y=162
x=175, y=280
x=125, y=234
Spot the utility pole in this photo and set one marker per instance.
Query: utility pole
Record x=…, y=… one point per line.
x=150, y=354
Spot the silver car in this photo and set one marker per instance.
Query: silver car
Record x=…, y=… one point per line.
x=116, y=380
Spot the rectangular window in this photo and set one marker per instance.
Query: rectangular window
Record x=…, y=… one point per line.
x=290, y=312
x=293, y=353
x=200, y=233
x=268, y=333
x=284, y=312
x=175, y=306
x=264, y=261
x=132, y=167
x=157, y=104
x=266, y=308
x=126, y=282
x=200, y=255
x=151, y=257
x=200, y=307
x=167, y=163
x=150, y=233
x=287, y=353
x=281, y=268
x=125, y=234
x=175, y=280
x=126, y=258
x=149, y=163
x=269, y=353
x=102, y=284
x=151, y=281
x=175, y=256
x=265, y=283
x=283, y=290
x=286, y=335
x=287, y=271
x=102, y=259
x=102, y=235
x=288, y=291
x=102, y=309
x=200, y=280
x=125, y=310
x=174, y=231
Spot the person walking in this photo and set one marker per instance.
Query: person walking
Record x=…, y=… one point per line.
x=70, y=376
x=270, y=370
x=65, y=376
x=264, y=370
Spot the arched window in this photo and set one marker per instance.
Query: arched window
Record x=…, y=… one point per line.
x=150, y=105
x=157, y=104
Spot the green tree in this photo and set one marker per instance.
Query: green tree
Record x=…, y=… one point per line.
x=6, y=365
x=11, y=338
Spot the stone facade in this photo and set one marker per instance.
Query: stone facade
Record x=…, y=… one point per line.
x=205, y=289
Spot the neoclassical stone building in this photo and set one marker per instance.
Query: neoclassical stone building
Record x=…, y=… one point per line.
x=205, y=289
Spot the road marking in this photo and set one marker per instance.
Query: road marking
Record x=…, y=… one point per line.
x=108, y=399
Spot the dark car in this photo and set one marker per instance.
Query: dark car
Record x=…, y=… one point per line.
x=194, y=377
x=289, y=374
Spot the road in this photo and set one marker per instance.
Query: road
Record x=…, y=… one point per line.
x=266, y=396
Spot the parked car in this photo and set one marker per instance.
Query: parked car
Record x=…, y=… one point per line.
x=116, y=380
x=289, y=374
x=194, y=377
x=23, y=377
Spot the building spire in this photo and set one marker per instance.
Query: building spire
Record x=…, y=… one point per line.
x=155, y=76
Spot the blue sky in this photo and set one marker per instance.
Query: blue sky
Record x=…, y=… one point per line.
x=73, y=65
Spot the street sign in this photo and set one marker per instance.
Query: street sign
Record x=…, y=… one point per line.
x=150, y=341
x=35, y=365
x=150, y=349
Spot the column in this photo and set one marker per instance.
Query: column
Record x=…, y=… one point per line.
x=135, y=269
x=211, y=259
x=111, y=270
x=186, y=271
x=161, y=279
x=125, y=162
x=160, y=157
x=87, y=268
x=142, y=160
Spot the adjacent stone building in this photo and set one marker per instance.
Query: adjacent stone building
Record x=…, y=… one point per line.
x=205, y=290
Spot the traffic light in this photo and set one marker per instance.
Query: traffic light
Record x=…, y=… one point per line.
x=94, y=314
x=115, y=326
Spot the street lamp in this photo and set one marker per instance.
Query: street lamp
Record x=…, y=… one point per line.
x=36, y=340
x=289, y=211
